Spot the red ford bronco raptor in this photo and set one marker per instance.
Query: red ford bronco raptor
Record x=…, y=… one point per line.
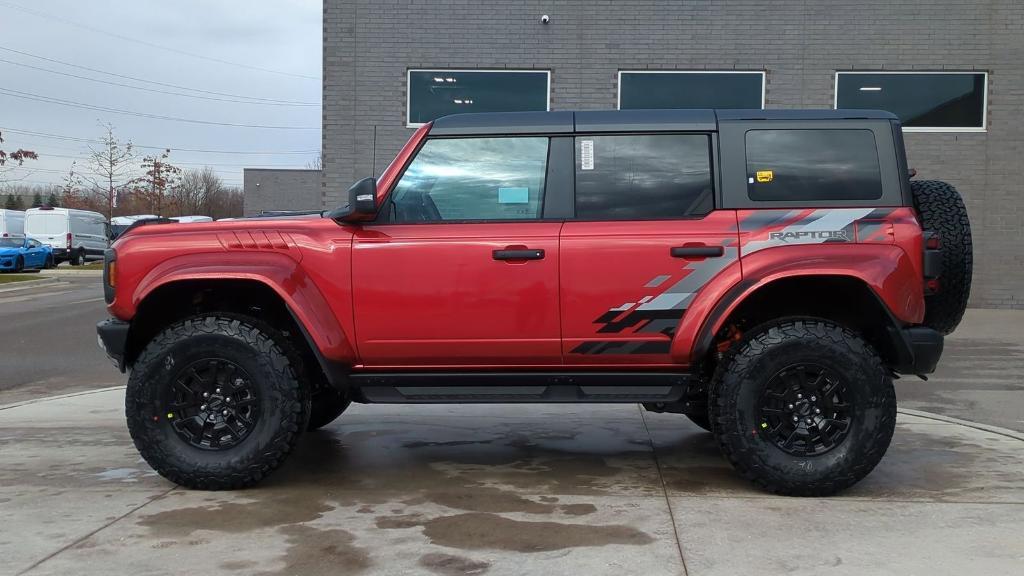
x=767, y=273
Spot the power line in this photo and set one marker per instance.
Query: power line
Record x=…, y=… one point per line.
x=84, y=106
x=152, y=44
x=212, y=98
x=154, y=82
x=210, y=164
x=94, y=141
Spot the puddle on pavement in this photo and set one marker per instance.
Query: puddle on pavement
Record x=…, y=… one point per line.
x=449, y=565
x=319, y=552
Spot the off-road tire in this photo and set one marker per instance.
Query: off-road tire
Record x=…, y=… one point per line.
x=765, y=351
x=701, y=420
x=326, y=405
x=283, y=408
x=941, y=209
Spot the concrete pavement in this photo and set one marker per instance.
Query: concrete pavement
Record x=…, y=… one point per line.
x=509, y=489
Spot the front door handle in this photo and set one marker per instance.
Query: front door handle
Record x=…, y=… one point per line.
x=697, y=251
x=518, y=254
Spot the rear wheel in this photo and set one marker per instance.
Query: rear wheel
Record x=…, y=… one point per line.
x=942, y=210
x=214, y=402
x=803, y=407
x=48, y=264
x=77, y=258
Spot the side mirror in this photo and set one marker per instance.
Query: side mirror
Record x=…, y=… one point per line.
x=362, y=202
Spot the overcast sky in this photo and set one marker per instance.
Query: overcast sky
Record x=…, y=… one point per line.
x=280, y=35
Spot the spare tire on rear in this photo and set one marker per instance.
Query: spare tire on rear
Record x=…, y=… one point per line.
x=942, y=210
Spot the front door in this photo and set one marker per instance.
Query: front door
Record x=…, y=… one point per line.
x=462, y=271
x=644, y=242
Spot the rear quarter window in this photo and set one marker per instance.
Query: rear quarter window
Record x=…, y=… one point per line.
x=812, y=165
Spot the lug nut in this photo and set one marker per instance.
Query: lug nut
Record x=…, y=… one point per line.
x=813, y=399
x=217, y=391
x=796, y=418
x=790, y=406
x=809, y=421
x=203, y=407
x=799, y=396
x=206, y=394
x=817, y=410
x=225, y=412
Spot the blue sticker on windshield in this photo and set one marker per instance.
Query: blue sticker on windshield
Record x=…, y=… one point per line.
x=513, y=195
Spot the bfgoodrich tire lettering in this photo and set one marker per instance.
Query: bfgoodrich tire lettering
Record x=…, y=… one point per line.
x=772, y=348
x=283, y=404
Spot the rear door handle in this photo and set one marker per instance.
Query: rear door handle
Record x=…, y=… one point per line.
x=527, y=254
x=697, y=251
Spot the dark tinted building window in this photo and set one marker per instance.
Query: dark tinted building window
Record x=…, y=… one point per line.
x=473, y=179
x=690, y=90
x=807, y=165
x=920, y=100
x=643, y=177
x=436, y=93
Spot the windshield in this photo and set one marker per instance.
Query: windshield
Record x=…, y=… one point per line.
x=10, y=242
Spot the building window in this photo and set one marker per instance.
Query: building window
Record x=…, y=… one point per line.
x=812, y=165
x=436, y=93
x=924, y=101
x=679, y=89
x=643, y=177
x=473, y=179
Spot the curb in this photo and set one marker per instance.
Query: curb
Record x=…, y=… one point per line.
x=54, y=272
x=59, y=397
x=967, y=423
x=18, y=286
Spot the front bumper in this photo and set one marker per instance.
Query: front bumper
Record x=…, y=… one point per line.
x=112, y=337
x=7, y=262
x=921, y=351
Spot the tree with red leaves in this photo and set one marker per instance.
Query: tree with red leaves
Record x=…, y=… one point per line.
x=17, y=157
x=159, y=178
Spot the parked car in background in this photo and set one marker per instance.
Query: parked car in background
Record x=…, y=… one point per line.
x=190, y=219
x=17, y=254
x=118, y=224
x=12, y=223
x=74, y=235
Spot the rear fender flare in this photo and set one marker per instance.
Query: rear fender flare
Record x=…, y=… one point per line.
x=886, y=269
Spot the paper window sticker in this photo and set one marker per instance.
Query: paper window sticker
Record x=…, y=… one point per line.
x=586, y=155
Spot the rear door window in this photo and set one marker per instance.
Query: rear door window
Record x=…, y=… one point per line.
x=643, y=177
x=810, y=165
x=473, y=179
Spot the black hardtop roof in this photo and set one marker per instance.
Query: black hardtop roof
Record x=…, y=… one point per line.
x=698, y=120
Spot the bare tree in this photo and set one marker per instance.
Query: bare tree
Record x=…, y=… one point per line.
x=71, y=187
x=316, y=163
x=111, y=167
x=196, y=190
x=159, y=179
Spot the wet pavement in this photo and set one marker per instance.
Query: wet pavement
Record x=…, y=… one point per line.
x=508, y=489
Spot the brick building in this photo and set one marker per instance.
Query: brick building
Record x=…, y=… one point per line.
x=269, y=189
x=952, y=69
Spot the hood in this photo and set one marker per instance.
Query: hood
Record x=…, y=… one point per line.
x=9, y=251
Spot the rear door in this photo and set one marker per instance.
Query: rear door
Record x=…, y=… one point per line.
x=462, y=268
x=49, y=227
x=644, y=241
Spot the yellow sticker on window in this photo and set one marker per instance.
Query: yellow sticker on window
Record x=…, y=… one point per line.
x=765, y=175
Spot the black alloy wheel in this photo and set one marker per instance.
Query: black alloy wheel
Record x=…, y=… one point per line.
x=804, y=410
x=213, y=404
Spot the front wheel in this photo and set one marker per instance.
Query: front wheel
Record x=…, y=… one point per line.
x=803, y=407
x=214, y=403
x=19, y=264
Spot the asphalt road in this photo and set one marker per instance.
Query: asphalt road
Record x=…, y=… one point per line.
x=48, y=340
x=48, y=347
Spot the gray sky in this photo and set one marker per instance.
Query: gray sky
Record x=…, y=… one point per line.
x=280, y=35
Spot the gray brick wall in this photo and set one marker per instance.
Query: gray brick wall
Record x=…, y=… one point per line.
x=369, y=45
x=280, y=189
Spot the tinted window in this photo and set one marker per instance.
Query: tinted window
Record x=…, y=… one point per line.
x=799, y=165
x=920, y=100
x=473, y=179
x=436, y=93
x=690, y=90
x=643, y=177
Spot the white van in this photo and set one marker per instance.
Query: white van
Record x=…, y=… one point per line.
x=118, y=224
x=12, y=223
x=191, y=219
x=74, y=235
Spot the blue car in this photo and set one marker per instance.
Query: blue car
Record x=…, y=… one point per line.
x=17, y=254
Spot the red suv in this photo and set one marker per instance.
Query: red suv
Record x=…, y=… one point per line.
x=767, y=273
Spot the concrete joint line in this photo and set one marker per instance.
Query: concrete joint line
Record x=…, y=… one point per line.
x=664, y=490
